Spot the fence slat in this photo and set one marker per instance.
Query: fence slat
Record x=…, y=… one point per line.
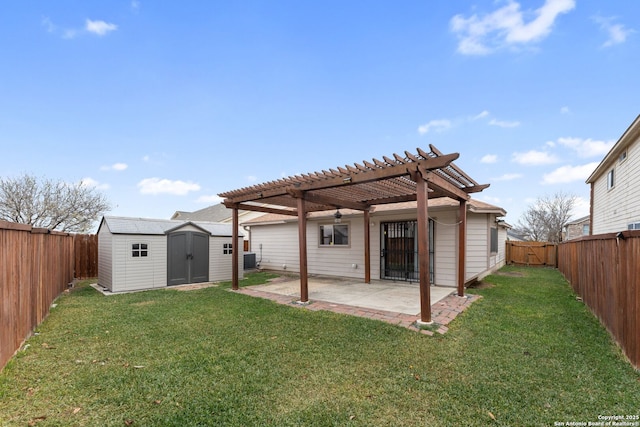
x=604, y=270
x=533, y=254
x=35, y=267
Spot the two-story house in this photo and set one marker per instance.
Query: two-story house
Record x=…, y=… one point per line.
x=615, y=201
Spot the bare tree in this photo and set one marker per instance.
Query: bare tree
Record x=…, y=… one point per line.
x=545, y=219
x=55, y=205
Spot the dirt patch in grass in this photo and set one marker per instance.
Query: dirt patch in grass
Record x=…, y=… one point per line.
x=193, y=287
x=481, y=285
x=510, y=273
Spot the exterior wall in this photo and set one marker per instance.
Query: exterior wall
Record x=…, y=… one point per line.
x=131, y=273
x=276, y=246
x=478, y=240
x=576, y=230
x=221, y=264
x=105, y=258
x=614, y=209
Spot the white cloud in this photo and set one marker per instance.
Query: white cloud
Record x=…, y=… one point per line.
x=166, y=186
x=90, y=182
x=115, y=167
x=252, y=178
x=48, y=24
x=489, y=158
x=503, y=124
x=506, y=26
x=617, y=33
x=435, y=125
x=213, y=199
x=508, y=177
x=566, y=174
x=482, y=115
x=100, y=28
x=135, y=5
x=587, y=147
x=533, y=158
x=565, y=110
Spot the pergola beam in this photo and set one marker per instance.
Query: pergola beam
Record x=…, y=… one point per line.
x=331, y=202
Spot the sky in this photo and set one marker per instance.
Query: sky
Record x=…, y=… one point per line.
x=161, y=106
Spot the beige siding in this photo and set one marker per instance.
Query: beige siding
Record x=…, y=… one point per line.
x=478, y=241
x=105, y=258
x=446, y=248
x=276, y=246
x=221, y=264
x=615, y=209
x=131, y=273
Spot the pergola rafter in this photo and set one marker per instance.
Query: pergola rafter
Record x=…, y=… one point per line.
x=413, y=177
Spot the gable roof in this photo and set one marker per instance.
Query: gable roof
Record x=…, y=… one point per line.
x=628, y=137
x=214, y=213
x=149, y=226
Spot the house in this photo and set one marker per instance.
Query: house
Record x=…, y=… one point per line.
x=420, y=177
x=577, y=228
x=143, y=253
x=217, y=213
x=336, y=248
x=615, y=205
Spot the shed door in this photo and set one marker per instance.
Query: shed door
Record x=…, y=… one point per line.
x=188, y=257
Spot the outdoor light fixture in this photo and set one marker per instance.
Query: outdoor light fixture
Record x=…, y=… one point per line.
x=337, y=216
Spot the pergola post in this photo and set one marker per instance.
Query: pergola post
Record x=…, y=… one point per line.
x=235, y=250
x=462, y=246
x=367, y=247
x=422, y=190
x=302, y=246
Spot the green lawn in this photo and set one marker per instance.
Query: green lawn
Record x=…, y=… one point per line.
x=528, y=353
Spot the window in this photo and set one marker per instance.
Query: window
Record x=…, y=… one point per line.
x=494, y=240
x=334, y=235
x=139, y=250
x=634, y=226
x=623, y=156
x=611, y=181
x=585, y=229
x=227, y=248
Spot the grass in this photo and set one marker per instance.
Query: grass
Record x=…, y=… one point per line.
x=528, y=353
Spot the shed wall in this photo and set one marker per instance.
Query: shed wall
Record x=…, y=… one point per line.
x=133, y=273
x=221, y=264
x=105, y=258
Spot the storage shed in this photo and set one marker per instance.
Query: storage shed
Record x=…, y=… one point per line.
x=143, y=253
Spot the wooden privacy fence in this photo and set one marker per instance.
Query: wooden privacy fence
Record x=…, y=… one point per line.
x=533, y=254
x=36, y=266
x=604, y=270
x=85, y=248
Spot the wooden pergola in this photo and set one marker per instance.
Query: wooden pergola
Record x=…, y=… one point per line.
x=412, y=177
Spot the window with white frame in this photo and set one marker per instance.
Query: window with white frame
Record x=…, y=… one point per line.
x=494, y=240
x=634, y=226
x=139, y=250
x=334, y=235
x=611, y=179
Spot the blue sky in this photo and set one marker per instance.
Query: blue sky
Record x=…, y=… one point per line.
x=163, y=105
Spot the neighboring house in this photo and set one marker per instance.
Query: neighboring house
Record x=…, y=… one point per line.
x=337, y=248
x=142, y=253
x=218, y=213
x=615, y=205
x=513, y=236
x=577, y=228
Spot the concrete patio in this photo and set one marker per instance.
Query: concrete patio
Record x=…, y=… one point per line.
x=393, y=302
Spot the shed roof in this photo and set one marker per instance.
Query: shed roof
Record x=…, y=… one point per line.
x=149, y=226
